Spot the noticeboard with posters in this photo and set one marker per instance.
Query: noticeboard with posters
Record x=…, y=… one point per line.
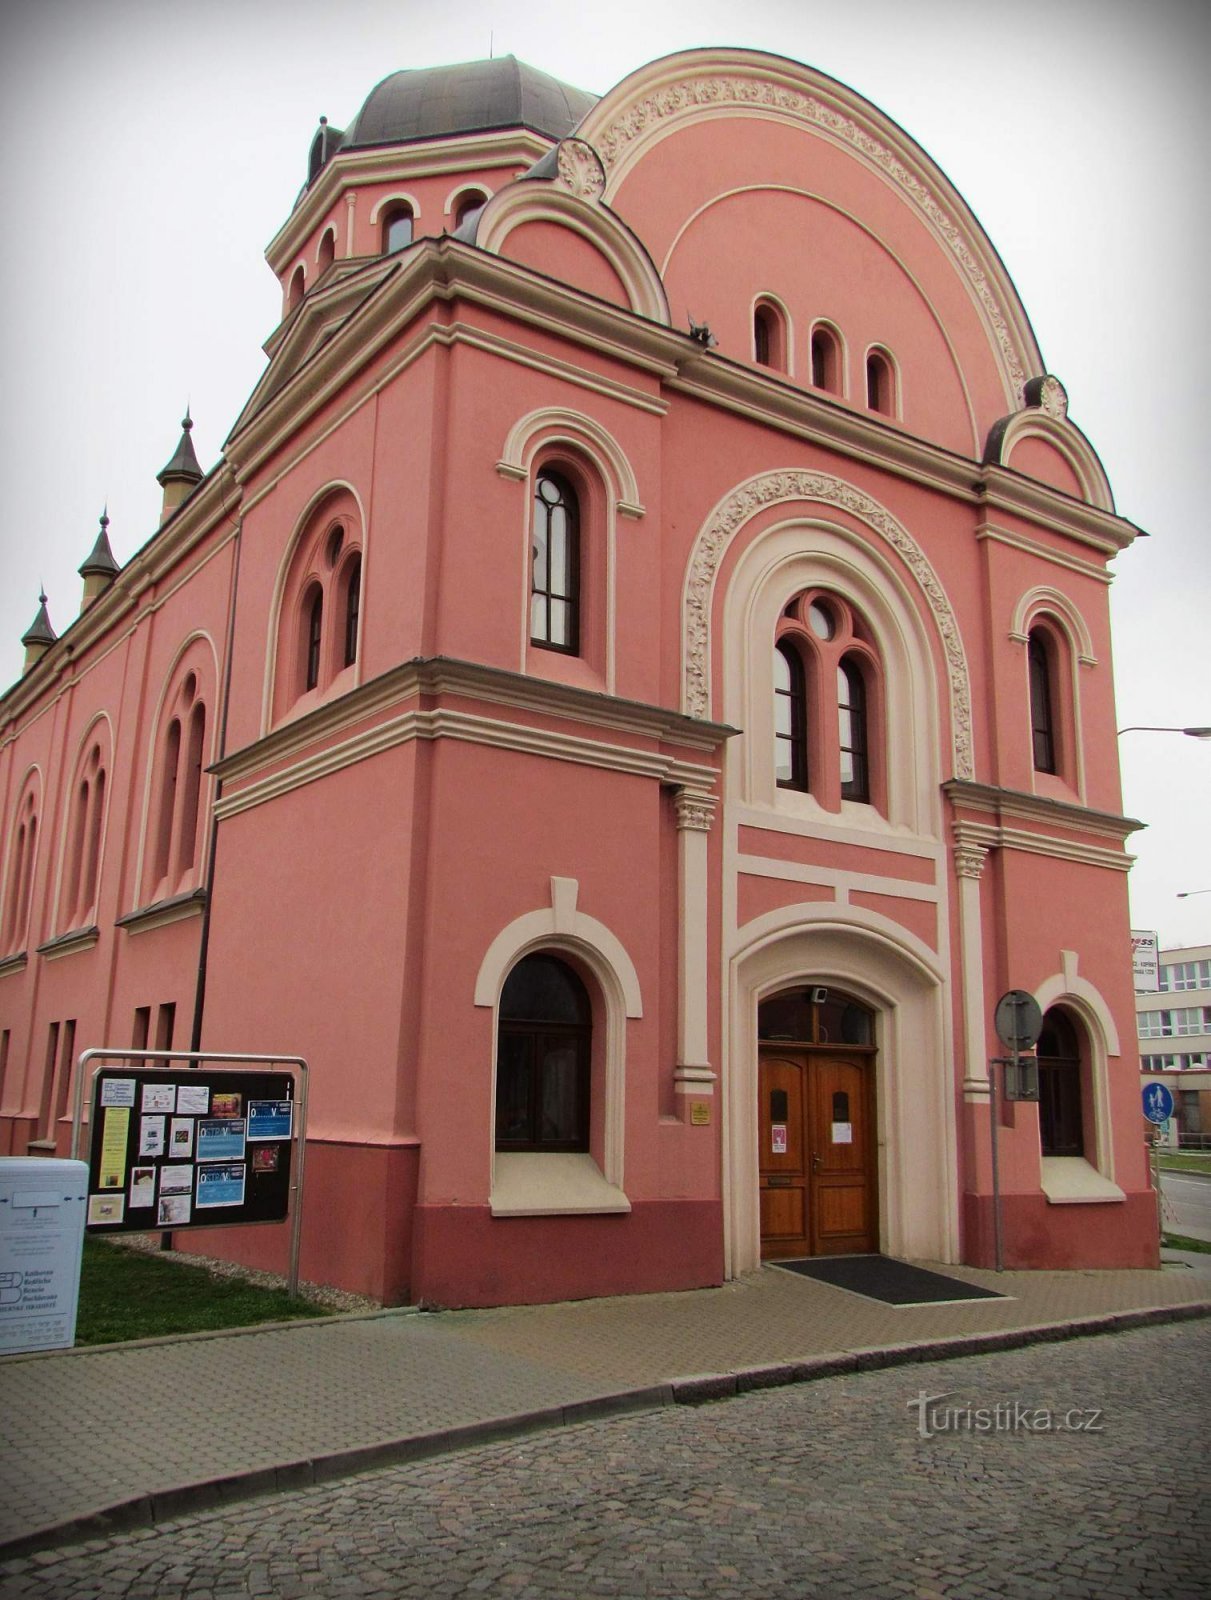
x=188, y=1149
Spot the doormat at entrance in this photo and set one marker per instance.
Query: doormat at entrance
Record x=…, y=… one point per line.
x=896, y=1283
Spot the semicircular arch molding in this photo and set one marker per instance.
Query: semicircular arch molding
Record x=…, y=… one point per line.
x=1045, y=600
x=397, y=197
x=768, y=489
x=543, y=202
x=549, y=425
x=1065, y=438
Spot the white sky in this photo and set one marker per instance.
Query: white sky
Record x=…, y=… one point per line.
x=153, y=147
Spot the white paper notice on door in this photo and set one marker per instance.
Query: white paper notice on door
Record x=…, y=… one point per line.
x=843, y=1133
x=778, y=1138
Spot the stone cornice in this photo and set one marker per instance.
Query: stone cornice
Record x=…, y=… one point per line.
x=162, y=912
x=1015, y=803
x=13, y=964
x=68, y=943
x=1003, y=490
x=441, y=676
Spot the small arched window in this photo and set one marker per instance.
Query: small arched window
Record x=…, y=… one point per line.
x=543, y=1058
x=298, y=285
x=790, y=718
x=1042, y=702
x=880, y=383
x=826, y=360
x=397, y=228
x=327, y=253
x=555, y=565
x=313, y=617
x=352, y=583
x=84, y=840
x=1061, y=1122
x=851, y=720
x=466, y=205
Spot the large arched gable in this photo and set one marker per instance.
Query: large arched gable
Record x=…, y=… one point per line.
x=770, y=105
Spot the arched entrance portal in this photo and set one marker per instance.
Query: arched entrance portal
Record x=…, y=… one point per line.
x=816, y=1124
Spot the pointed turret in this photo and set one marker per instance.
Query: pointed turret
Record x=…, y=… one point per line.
x=99, y=569
x=182, y=474
x=38, y=637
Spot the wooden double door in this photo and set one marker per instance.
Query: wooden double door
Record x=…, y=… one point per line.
x=819, y=1189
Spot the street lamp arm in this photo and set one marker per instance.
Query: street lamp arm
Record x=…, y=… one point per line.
x=1144, y=727
x=1184, y=894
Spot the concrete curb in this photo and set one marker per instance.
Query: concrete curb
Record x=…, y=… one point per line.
x=150, y=1510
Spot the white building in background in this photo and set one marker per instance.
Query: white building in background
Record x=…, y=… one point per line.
x=1174, y=1027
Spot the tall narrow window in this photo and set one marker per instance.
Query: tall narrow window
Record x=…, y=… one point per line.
x=162, y=851
x=555, y=562
x=353, y=601
x=1042, y=720
x=314, y=616
x=397, y=229
x=851, y=721
x=1061, y=1127
x=297, y=289
x=761, y=336
x=880, y=388
x=543, y=1058
x=191, y=788
x=790, y=718
x=166, y=1020
x=327, y=251
x=142, y=1028
x=826, y=360
x=20, y=874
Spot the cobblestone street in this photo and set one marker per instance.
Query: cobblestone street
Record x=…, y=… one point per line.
x=826, y=1489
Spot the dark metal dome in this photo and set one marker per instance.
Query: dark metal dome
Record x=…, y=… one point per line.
x=436, y=102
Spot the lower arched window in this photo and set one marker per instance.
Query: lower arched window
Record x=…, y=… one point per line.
x=827, y=708
x=543, y=1058
x=555, y=565
x=1061, y=1120
x=851, y=730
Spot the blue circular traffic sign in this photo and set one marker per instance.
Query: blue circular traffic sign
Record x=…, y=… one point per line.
x=1158, y=1102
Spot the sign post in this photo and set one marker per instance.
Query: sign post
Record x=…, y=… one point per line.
x=1019, y=1022
x=213, y=1141
x=1158, y=1108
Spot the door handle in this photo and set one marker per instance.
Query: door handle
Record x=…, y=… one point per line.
x=815, y=1162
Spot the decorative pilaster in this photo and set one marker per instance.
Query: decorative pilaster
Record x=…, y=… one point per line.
x=695, y=814
x=969, y=859
x=350, y=212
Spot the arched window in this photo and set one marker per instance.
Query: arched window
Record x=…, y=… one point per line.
x=318, y=633
x=543, y=1060
x=555, y=565
x=770, y=341
x=1061, y=1122
x=466, y=205
x=826, y=677
x=825, y=359
x=351, y=581
x=790, y=717
x=298, y=285
x=1042, y=702
x=397, y=228
x=173, y=842
x=327, y=253
x=83, y=860
x=21, y=860
x=313, y=614
x=851, y=721
x=880, y=383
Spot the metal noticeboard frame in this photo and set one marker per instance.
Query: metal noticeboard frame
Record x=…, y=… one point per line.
x=223, y=1062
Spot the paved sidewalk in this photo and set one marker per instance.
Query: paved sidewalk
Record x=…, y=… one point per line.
x=94, y=1439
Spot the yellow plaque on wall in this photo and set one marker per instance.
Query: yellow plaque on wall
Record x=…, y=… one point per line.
x=700, y=1113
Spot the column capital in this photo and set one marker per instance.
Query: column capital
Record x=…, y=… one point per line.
x=969, y=859
x=695, y=810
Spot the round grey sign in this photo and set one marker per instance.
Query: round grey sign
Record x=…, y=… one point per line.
x=1018, y=1020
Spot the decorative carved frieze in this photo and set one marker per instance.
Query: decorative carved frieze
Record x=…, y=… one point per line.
x=771, y=489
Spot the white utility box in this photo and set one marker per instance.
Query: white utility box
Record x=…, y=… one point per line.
x=42, y=1209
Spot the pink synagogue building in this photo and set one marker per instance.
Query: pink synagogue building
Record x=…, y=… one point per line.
x=626, y=753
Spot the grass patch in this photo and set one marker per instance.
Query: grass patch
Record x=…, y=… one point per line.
x=1186, y=1163
x=1179, y=1241
x=133, y=1294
